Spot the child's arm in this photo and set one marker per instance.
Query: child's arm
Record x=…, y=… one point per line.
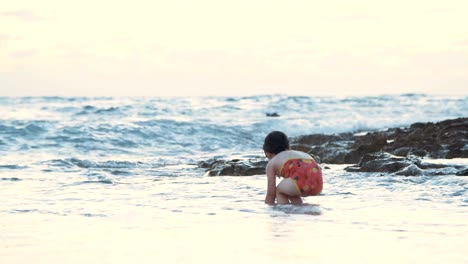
x=271, y=184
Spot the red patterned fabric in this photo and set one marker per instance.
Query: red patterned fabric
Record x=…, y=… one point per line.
x=305, y=173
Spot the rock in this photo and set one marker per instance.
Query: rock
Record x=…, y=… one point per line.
x=462, y=172
x=383, y=166
x=411, y=170
x=204, y=164
x=302, y=147
x=403, y=166
x=381, y=162
x=447, y=139
x=371, y=142
x=254, y=171
x=426, y=166
x=320, y=139
x=404, y=151
x=235, y=167
x=395, y=150
x=308, y=150
x=379, y=156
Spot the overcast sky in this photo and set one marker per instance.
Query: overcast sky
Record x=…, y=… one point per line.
x=226, y=47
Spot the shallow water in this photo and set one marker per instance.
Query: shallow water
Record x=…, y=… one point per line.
x=114, y=180
x=194, y=219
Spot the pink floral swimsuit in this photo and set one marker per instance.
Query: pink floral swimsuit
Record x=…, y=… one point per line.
x=305, y=173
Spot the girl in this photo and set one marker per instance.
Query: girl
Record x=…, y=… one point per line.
x=302, y=176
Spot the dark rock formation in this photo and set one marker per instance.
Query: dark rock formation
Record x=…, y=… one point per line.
x=274, y=114
x=405, y=166
x=395, y=150
x=447, y=139
x=328, y=148
x=380, y=162
x=235, y=167
x=463, y=172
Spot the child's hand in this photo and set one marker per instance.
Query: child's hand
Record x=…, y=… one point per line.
x=269, y=200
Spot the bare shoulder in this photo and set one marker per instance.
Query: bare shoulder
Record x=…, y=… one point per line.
x=282, y=157
x=274, y=163
x=293, y=154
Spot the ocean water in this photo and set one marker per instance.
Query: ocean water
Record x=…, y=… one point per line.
x=115, y=180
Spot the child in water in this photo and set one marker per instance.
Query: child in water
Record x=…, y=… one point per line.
x=302, y=176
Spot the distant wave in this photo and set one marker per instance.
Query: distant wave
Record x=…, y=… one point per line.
x=91, y=164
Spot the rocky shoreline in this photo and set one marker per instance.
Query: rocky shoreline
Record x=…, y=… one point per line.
x=399, y=151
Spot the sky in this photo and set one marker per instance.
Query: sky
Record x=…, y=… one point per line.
x=225, y=47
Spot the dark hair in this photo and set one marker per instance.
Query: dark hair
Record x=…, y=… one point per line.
x=275, y=142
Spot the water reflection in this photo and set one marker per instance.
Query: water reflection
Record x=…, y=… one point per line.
x=303, y=209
